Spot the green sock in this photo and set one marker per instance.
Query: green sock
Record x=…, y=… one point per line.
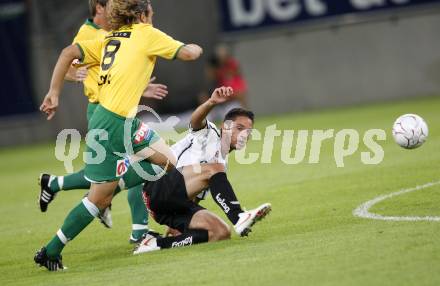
x=77, y=220
x=139, y=212
x=54, y=184
x=75, y=181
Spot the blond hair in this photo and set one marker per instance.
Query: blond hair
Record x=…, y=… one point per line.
x=127, y=12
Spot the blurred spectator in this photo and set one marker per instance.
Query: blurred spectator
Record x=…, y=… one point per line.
x=224, y=70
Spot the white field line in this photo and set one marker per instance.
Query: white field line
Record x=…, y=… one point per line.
x=363, y=210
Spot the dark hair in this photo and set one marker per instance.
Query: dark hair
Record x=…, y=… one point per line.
x=94, y=3
x=235, y=112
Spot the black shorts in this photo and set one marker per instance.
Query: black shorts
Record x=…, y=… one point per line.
x=168, y=203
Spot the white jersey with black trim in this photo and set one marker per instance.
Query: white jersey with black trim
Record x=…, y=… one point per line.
x=200, y=147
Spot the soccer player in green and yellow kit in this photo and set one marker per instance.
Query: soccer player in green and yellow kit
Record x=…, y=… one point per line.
x=127, y=57
x=96, y=28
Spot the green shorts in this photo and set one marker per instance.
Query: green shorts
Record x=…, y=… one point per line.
x=108, y=153
x=91, y=107
x=133, y=178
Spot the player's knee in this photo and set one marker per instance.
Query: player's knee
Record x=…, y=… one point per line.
x=210, y=170
x=102, y=204
x=220, y=232
x=102, y=201
x=225, y=232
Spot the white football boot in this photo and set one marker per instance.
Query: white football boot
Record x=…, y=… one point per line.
x=248, y=218
x=148, y=244
x=105, y=217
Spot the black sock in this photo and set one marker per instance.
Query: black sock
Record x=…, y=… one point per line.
x=191, y=236
x=224, y=196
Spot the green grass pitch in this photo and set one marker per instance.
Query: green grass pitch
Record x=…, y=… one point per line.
x=310, y=238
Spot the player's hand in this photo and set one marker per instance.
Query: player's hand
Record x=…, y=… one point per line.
x=172, y=232
x=76, y=72
x=50, y=104
x=155, y=90
x=81, y=74
x=221, y=94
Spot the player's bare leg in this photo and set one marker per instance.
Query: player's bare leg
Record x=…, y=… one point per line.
x=213, y=176
x=216, y=227
x=199, y=177
x=101, y=195
x=158, y=153
x=205, y=226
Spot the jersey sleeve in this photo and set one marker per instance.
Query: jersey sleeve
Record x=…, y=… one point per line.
x=90, y=51
x=161, y=45
x=79, y=36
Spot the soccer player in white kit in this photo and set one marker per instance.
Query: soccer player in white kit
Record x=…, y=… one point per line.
x=201, y=166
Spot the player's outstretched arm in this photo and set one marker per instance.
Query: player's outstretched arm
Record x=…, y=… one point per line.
x=220, y=95
x=50, y=102
x=70, y=75
x=190, y=52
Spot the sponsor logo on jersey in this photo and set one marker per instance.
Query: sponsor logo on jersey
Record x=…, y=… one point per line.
x=186, y=241
x=141, y=134
x=122, y=167
x=222, y=203
x=119, y=35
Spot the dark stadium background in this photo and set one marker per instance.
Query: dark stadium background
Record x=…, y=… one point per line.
x=331, y=53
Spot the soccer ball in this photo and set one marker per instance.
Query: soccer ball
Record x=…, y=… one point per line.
x=410, y=131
